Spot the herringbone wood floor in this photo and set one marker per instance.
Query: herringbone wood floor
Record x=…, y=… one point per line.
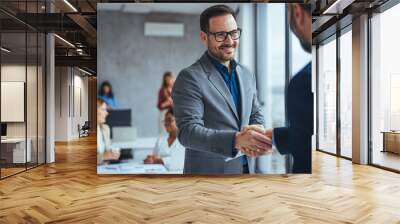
x=70, y=191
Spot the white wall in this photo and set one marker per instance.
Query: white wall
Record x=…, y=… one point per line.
x=71, y=94
x=16, y=73
x=33, y=126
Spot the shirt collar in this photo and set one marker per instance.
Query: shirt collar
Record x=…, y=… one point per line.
x=220, y=66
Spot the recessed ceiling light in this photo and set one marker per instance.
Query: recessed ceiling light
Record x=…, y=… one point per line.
x=70, y=5
x=5, y=50
x=64, y=40
x=84, y=71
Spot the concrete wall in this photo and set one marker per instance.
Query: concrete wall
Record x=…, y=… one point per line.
x=134, y=64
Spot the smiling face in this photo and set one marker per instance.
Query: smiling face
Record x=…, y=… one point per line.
x=222, y=51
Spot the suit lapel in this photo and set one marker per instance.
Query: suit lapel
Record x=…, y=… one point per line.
x=219, y=83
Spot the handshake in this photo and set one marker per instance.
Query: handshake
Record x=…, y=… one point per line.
x=254, y=140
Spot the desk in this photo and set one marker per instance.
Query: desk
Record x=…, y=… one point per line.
x=17, y=151
x=134, y=167
x=391, y=141
x=141, y=147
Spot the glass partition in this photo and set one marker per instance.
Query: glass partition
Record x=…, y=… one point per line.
x=31, y=100
x=22, y=87
x=14, y=151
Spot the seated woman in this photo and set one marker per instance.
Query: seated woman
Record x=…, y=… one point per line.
x=168, y=151
x=104, y=151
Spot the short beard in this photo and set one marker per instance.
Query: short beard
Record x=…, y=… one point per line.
x=304, y=43
x=220, y=57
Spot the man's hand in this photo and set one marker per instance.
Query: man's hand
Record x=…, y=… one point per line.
x=111, y=155
x=260, y=129
x=252, y=141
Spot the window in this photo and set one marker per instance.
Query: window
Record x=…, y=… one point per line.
x=271, y=76
x=327, y=96
x=385, y=89
x=346, y=94
x=300, y=57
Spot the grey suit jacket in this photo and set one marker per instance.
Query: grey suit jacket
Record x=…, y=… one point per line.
x=207, y=119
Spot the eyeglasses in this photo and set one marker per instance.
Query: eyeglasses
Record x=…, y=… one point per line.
x=221, y=36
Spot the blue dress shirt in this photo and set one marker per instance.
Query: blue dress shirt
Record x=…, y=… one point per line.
x=110, y=101
x=232, y=84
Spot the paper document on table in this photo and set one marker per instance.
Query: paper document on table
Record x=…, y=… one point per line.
x=131, y=168
x=142, y=168
x=239, y=154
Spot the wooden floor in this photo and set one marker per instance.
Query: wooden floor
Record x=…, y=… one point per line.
x=387, y=159
x=70, y=191
x=10, y=171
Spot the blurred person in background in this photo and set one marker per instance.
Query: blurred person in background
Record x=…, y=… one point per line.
x=107, y=95
x=168, y=151
x=104, y=151
x=164, y=102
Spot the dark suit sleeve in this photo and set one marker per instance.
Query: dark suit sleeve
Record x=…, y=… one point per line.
x=295, y=138
x=189, y=111
x=281, y=136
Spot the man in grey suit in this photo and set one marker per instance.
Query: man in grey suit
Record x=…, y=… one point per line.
x=214, y=99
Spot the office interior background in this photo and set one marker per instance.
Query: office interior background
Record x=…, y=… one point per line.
x=46, y=90
x=357, y=86
x=135, y=68
x=48, y=72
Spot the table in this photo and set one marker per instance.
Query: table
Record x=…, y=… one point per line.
x=133, y=167
x=141, y=147
x=17, y=151
x=391, y=141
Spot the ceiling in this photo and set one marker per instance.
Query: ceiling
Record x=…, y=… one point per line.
x=76, y=20
x=183, y=8
x=332, y=15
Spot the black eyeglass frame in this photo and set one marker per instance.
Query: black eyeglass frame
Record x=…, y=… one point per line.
x=239, y=30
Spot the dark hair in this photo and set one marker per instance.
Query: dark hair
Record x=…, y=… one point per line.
x=164, y=82
x=103, y=85
x=306, y=7
x=216, y=10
